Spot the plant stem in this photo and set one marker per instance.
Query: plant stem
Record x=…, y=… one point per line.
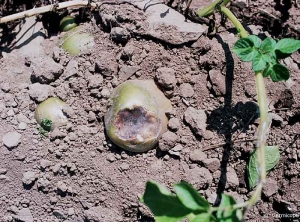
x=208, y=10
x=243, y=33
x=44, y=9
x=264, y=118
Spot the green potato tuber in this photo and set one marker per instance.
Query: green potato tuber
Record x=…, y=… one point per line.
x=67, y=23
x=136, y=117
x=49, y=114
x=76, y=41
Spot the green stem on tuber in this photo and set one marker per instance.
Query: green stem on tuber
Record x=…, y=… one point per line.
x=208, y=10
x=263, y=109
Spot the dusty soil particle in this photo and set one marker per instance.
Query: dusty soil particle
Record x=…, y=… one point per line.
x=11, y=139
x=174, y=124
x=45, y=75
x=167, y=141
x=232, y=180
x=212, y=164
x=197, y=156
x=200, y=178
x=218, y=82
x=40, y=92
x=126, y=72
x=29, y=177
x=186, y=90
x=119, y=34
x=196, y=119
x=106, y=64
x=270, y=188
x=166, y=77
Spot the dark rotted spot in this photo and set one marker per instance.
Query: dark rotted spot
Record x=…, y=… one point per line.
x=136, y=125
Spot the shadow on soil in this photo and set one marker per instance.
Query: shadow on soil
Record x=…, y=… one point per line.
x=228, y=119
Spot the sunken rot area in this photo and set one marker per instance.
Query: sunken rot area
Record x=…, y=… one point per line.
x=136, y=117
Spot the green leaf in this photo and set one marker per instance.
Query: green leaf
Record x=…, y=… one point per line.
x=46, y=124
x=258, y=63
x=272, y=156
x=268, y=58
x=204, y=217
x=288, y=45
x=268, y=45
x=255, y=40
x=165, y=206
x=277, y=72
x=244, y=48
x=190, y=198
x=226, y=213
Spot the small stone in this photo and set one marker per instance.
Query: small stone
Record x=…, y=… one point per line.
x=106, y=64
x=119, y=34
x=200, y=178
x=196, y=119
x=177, y=148
x=22, y=126
x=166, y=77
x=186, y=90
x=111, y=157
x=28, y=177
x=59, y=214
x=124, y=166
x=174, y=124
x=95, y=81
x=56, y=53
x=56, y=168
x=71, y=211
x=61, y=186
x=270, y=187
x=4, y=178
x=57, y=134
x=24, y=215
x=11, y=139
x=3, y=171
x=249, y=88
x=127, y=52
x=197, y=156
x=232, y=178
x=167, y=141
x=276, y=118
x=212, y=164
x=126, y=72
x=10, y=113
x=71, y=69
x=105, y=93
x=43, y=184
x=45, y=69
x=5, y=87
x=53, y=200
x=45, y=163
x=40, y=92
x=218, y=82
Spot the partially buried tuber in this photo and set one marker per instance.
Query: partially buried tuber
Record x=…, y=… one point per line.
x=136, y=117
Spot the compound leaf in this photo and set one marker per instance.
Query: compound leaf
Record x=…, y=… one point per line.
x=165, y=206
x=255, y=40
x=268, y=45
x=244, y=48
x=258, y=63
x=204, y=217
x=277, y=72
x=190, y=198
x=272, y=156
x=288, y=45
x=226, y=213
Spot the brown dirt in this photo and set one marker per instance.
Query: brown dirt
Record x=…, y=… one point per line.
x=79, y=175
